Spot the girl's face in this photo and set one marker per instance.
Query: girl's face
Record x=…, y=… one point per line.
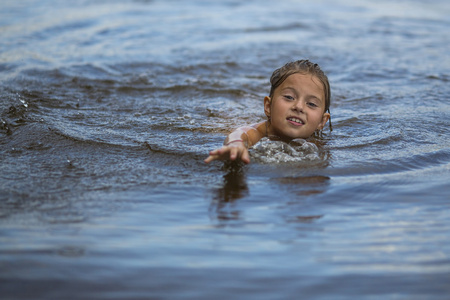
x=297, y=107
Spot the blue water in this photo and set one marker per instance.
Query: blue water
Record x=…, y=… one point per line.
x=108, y=109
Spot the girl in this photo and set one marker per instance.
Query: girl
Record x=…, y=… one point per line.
x=298, y=105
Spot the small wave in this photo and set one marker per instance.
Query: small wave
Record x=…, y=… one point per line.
x=286, y=27
x=441, y=77
x=298, y=150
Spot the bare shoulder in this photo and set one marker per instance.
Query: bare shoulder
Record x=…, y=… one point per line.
x=256, y=132
x=249, y=134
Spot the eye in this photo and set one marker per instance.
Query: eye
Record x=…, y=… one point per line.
x=312, y=104
x=288, y=97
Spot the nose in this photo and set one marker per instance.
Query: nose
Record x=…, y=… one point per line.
x=298, y=106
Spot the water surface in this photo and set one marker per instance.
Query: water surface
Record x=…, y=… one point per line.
x=108, y=109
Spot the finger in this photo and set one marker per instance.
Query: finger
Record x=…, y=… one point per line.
x=220, y=151
x=211, y=158
x=233, y=153
x=245, y=157
x=214, y=152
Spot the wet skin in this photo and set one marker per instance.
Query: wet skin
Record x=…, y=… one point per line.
x=297, y=108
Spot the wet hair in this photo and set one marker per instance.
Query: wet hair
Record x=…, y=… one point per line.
x=303, y=66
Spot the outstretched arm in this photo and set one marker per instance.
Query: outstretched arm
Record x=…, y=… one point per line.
x=237, y=143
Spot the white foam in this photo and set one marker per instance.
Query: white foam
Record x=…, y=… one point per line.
x=298, y=150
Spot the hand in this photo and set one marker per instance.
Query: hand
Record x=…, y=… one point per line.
x=233, y=151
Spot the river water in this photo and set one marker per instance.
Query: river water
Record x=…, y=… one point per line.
x=108, y=109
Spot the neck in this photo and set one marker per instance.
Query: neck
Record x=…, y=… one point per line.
x=272, y=136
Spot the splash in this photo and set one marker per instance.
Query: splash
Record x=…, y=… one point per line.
x=298, y=150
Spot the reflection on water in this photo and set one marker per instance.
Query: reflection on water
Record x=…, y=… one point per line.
x=306, y=185
x=295, y=190
x=234, y=187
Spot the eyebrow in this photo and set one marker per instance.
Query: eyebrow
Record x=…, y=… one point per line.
x=307, y=96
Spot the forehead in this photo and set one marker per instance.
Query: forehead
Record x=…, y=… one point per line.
x=304, y=83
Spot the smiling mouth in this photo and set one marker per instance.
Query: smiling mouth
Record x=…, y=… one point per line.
x=295, y=121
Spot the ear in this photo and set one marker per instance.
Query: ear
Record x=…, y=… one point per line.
x=325, y=118
x=267, y=106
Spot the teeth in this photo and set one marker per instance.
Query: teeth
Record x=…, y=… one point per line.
x=296, y=120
